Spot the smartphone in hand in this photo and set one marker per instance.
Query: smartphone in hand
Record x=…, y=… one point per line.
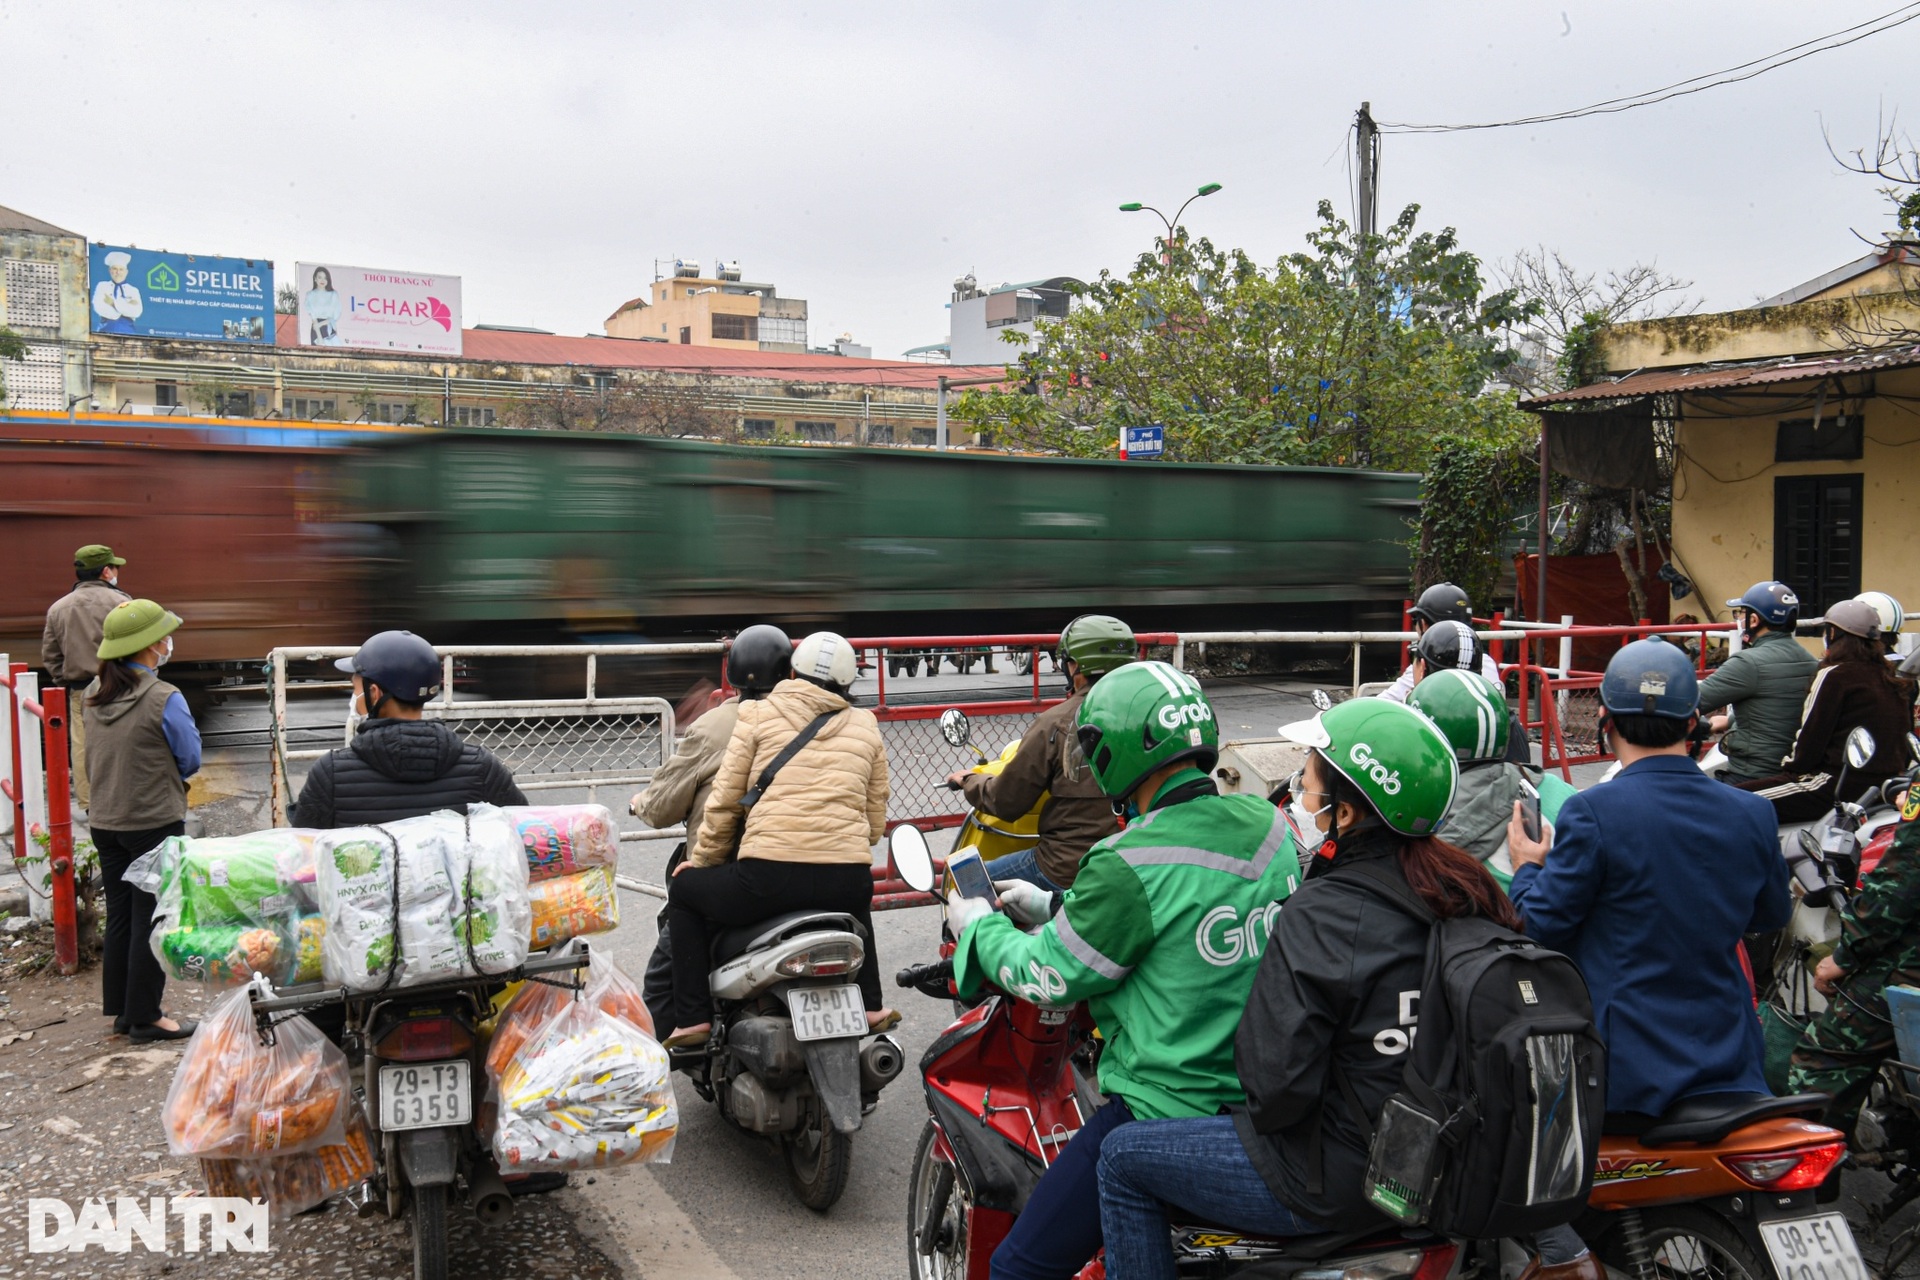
x=1529, y=810
x=969, y=876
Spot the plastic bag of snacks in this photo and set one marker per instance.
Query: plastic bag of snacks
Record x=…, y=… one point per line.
x=455, y=886
x=292, y=1184
x=605, y=986
x=587, y=1090
x=232, y=1095
x=561, y=839
x=231, y=907
x=574, y=906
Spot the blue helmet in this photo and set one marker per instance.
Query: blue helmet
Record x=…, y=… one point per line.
x=1775, y=602
x=1651, y=678
x=404, y=666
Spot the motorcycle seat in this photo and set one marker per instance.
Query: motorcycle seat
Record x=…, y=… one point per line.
x=734, y=942
x=1710, y=1117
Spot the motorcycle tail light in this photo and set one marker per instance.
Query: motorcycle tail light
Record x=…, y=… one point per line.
x=420, y=1039
x=1788, y=1170
x=827, y=960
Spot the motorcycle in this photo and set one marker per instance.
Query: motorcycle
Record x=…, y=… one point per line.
x=992, y=837
x=419, y=1055
x=785, y=1060
x=1731, y=1183
x=1887, y=1134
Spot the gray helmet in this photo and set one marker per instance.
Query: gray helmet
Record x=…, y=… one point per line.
x=1854, y=618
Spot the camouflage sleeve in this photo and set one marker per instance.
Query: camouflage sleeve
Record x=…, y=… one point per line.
x=1881, y=920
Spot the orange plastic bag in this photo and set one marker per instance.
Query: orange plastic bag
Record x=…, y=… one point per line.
x=607, y=987
x=573, y=906
x=232, y=1095
x=293, y=1184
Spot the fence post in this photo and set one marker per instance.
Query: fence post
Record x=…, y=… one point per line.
x=66, y=930
x=277, y=734
x=593, y=674
x=29, y=768
x=1566, y=646
x=10, y=763
x=1355, y=690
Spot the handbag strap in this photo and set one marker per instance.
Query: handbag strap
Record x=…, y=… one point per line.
x=787, y=753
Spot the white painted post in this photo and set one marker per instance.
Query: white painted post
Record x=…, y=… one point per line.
x=1566, y=645
x=6, y=766
x=33, y=776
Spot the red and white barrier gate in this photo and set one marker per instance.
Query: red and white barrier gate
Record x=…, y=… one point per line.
x=27, y=748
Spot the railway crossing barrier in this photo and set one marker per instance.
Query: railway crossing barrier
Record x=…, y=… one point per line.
x=39, y=787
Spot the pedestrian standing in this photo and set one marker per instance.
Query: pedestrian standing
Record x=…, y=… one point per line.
x=72, y=638
x=142, y=747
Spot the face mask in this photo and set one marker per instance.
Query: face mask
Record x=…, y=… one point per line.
x=166, y=654
x=1306, y=822
x=353, y=712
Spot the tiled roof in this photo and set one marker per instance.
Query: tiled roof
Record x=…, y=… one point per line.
x=1728, y=376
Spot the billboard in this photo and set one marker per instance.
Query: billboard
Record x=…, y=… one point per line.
x=141, y=293
x=380, y=310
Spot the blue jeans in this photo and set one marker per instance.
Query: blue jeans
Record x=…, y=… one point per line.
x=1021, y=866
x=1195, y=1166
x=1059, y=1231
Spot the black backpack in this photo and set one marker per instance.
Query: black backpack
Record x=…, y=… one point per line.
x=1496, y=1129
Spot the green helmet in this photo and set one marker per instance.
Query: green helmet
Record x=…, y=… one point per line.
x=1098, y=644
x=1397, y=758
x=1143, y=717
x=1468, y=709
x=132, y=625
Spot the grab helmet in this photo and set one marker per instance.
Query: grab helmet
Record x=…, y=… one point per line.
x=1142, y=717
x=1399, y=759
x=1469, y=710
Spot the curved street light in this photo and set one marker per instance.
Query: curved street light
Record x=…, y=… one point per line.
x=1134, y=206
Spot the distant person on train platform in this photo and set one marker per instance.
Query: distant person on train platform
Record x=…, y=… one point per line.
x=70, y=642
x=1441, y=602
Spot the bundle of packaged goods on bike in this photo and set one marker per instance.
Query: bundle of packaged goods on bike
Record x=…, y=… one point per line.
x=475, y=894
x=292, y=1184
x=236, y=1094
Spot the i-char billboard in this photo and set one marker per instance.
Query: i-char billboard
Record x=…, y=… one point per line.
x=378, y=310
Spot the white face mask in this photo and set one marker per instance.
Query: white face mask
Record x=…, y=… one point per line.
x=166, y=654
x=1306, y=822
x=353, y=712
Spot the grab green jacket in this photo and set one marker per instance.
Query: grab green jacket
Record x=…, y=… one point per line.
x=1766, y=685
x=1160, y=934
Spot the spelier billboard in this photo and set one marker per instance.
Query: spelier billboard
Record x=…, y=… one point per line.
x=381, y=310
x=141, y=293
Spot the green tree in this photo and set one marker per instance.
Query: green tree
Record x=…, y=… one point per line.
x=12, y=347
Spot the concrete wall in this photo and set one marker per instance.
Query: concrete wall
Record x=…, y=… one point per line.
x=972, y=342
x=1800, y=328
x=67, y=340
x=691, y=304
x=1723, y=490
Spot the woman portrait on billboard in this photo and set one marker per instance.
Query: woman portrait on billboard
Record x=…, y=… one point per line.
x=322, y=306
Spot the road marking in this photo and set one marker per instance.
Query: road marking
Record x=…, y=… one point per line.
x=649, y=1225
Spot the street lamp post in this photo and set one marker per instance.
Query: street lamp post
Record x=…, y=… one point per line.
x=1173, y=223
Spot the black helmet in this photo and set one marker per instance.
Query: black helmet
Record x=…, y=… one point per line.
x=759, y=659
x=1449, y=644
x=1443, y=601
x=404, y=666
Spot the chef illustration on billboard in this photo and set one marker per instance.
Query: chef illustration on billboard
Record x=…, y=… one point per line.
x=323, y=310
x=116, y=302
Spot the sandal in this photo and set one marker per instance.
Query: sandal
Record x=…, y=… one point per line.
x=688, y=1039
x=889, y=1019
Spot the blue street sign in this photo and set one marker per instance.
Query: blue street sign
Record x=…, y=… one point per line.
x=1143, y=442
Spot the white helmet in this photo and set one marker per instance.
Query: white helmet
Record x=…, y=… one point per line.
x=1892, y=616
x=826, y=658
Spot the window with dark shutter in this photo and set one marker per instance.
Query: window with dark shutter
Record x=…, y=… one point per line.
x=1816, y=538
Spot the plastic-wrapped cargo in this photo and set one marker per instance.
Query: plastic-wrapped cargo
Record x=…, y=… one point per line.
x=424, y=899
x=605, y=985
x=574, y=906
x=292, y=1184
x=230, y=907
x=561, y=839
x=587, y=1090
x=235, y=1095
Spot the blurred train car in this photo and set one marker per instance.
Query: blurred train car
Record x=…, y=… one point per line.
x=234, y=525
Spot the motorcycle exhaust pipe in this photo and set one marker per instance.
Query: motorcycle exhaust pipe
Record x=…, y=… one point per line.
x=492, y=1205
x=881, y=1059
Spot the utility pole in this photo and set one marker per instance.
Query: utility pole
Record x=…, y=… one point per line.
x=1366, y=156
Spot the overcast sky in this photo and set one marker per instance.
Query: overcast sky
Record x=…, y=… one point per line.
x=862, y=156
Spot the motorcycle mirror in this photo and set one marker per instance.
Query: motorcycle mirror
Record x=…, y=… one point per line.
x=1320, y=700
x=1913, y=746
x=955, y=728
x=1860, y=748
x=907, y=846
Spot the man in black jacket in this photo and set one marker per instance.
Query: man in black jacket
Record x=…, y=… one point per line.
x=399, y=765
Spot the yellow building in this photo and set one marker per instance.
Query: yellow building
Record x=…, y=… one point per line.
x=720, y=310
x=1790, y=428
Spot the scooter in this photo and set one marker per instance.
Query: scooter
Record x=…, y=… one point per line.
x=785, y=1058
x=992, y=837
x=1887, y=1134
x=421, y=1082
x=1727, y=1185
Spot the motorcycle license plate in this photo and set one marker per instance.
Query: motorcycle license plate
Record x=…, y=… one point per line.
x=827, y=1013
x=425, y=1095
x=1817, y=1248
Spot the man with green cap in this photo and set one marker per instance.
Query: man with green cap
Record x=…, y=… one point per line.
x=1048, y=768
x=1161, y=935
x=72, y=638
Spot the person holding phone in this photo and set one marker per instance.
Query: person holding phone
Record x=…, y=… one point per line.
x=1649, y=882
x=1160, y=934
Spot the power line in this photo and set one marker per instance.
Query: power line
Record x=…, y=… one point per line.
x=1696, y=84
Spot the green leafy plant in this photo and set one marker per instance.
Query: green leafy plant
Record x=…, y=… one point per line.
x=1472, y=491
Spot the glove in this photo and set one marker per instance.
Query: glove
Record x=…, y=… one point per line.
x=1025, y=901
x=963, y=911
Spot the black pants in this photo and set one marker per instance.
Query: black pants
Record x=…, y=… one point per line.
x=131, y=980
x=703, y=900
x=656, y=987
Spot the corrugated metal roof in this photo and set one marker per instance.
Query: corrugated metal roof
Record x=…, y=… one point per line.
x=503, y=347
x=14, y=220
x=1725, y=377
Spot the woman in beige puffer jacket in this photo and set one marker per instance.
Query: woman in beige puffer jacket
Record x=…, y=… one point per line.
x=807, y=843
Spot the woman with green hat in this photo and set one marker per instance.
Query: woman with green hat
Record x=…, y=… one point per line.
x=142, y=747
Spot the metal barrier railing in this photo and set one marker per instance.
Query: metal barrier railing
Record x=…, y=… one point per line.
x=50, y=710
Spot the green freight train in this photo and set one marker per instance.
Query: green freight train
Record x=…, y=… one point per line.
x=512, y=536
